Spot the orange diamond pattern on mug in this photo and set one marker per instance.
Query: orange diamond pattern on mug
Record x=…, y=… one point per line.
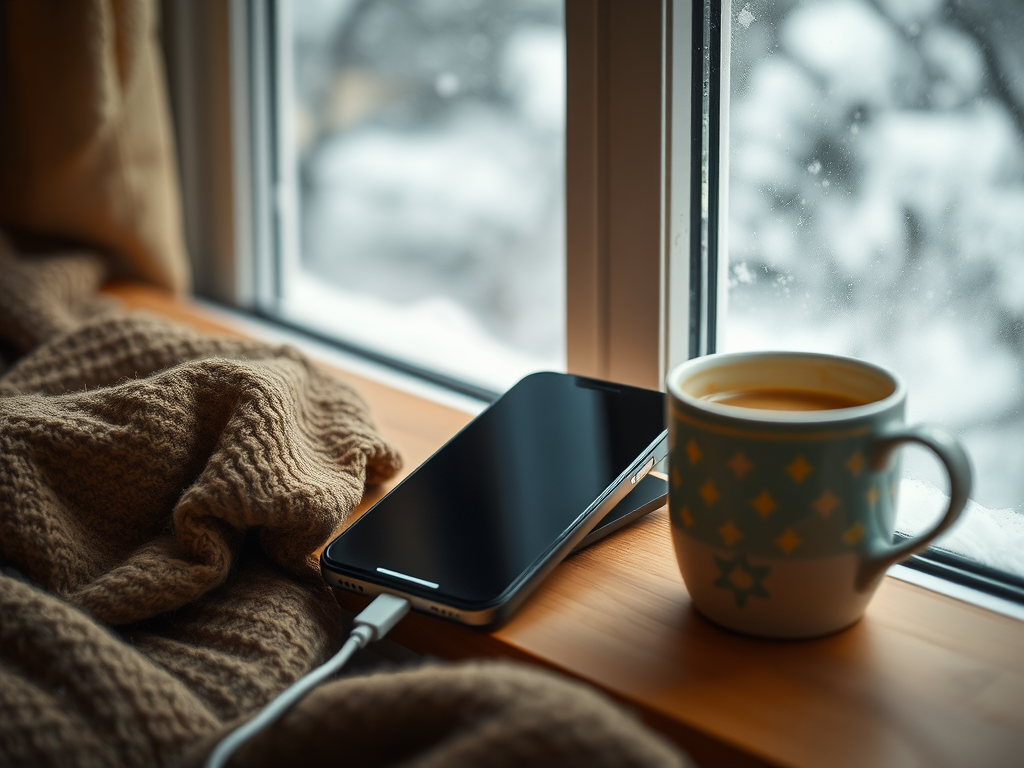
x=826, y=503
x=788, y=541
x=781, y=500
x=730, y=533
x=854, y=534
x=855, y=463
x=764, y=504
x=739, y=464
x=709, y=493
x=799, y=469
x=693, y=451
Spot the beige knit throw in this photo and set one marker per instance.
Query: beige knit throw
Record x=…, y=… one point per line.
x=161, y=493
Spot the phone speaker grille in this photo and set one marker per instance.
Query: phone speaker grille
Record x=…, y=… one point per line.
x=443, y=612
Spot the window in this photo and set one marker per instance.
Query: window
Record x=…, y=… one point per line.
x=859, y=192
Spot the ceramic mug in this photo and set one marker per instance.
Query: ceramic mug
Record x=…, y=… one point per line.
x=783, y=477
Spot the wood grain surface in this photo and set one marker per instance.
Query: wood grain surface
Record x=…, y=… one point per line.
x=922, y=680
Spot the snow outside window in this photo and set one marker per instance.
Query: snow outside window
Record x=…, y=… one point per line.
x=428, y=146
x=876, y=209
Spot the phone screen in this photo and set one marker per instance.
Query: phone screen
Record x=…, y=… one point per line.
x=496, y=499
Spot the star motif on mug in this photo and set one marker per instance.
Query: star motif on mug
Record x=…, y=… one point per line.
x=799, y=469
x=677, y=479
x=739, y=464
x=872, y=495
x=687, y=518
x=741, y=578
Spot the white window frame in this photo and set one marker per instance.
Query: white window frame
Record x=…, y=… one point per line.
x=644, y=289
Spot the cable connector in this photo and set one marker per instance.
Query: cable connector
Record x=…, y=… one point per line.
x=375, y=621
x=380, y=616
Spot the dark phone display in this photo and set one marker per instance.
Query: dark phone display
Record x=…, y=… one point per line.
x=499, y=495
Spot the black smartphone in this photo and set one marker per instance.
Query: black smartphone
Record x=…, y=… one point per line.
x=473, y=530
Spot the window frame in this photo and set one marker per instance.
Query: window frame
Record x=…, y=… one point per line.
x=618, y=97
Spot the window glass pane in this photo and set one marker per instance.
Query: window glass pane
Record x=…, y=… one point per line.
x=428, y=150
x=876, y=209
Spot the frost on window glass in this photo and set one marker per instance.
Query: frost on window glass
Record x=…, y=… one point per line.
x=876, y=209
x=429, y=144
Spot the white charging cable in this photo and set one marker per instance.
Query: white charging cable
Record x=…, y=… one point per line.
x=371, y=625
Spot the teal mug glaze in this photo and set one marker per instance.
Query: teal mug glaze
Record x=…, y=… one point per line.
x=783, y=520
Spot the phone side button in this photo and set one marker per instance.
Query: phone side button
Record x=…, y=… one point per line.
x=642, y=472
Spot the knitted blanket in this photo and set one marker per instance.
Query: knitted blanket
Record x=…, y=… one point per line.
x=161, y=493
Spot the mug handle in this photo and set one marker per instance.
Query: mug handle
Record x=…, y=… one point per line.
x=958, y=467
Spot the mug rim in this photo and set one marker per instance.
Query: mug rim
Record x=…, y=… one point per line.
x=765, y=415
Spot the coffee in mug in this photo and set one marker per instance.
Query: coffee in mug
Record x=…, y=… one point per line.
x=781, y=399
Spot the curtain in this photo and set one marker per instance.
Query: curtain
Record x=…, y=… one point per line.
x=86, y=151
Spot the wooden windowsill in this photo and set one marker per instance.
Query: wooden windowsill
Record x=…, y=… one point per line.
x=923, y=679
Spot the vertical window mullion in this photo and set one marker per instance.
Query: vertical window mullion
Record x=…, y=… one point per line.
x=706, y=185
x=682, y=272
x=252, y=145
x=614, y=160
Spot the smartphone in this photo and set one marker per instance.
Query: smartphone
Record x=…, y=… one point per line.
x=475, y=528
